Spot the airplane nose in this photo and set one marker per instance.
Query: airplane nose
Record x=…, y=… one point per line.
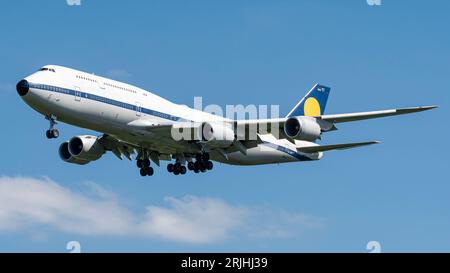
x=22, y=87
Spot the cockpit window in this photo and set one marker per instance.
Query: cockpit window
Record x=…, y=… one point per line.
x=47, y=69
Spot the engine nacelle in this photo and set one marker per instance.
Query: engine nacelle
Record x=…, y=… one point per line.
x=81, y=150
x=302, y=128
x=86, y=148
x=217, y=134
x=65, y=155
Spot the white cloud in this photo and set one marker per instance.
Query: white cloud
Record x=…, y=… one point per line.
x=193, y=219
x=276, y=223
x=98, y=191
x=26, y=203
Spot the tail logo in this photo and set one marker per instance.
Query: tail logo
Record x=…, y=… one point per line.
x=311, y=107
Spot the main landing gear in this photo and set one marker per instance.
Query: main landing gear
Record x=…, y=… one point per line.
x=51, y=132
x=201, y=164
x=176, y=168
x=144, y=166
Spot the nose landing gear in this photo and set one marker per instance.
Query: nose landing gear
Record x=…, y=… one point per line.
x=51, y=132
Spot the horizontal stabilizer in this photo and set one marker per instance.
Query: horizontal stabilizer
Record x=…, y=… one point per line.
x=323, y=148
x=374, y=114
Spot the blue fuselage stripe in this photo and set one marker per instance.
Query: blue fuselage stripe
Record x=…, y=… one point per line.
x=85, y=95
x=287, y=151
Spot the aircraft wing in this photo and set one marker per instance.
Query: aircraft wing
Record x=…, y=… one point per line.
x=147, y=125
x=373, y=114
x=117, y=147
x=323, y=148
x=252, y=128
x=326, y=122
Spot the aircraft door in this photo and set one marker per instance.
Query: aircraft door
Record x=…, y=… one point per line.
x=77, y=93
x=138, y=109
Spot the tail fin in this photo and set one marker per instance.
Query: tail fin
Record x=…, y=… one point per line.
x=313, y=103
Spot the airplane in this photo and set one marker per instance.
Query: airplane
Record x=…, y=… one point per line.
x=136, y=122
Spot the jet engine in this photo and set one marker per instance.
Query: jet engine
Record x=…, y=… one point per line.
x=302, y=128
x=81, y=150
x=217, y=134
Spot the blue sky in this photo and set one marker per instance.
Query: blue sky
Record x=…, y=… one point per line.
x=235, y=52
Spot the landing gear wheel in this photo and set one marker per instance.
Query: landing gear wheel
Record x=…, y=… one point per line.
x=170, y=168
x=209, y=165
x=198, y=157
x=143, y=172
x=190, y=166
x=150, y=171
x=139, y=163
x=177, y=168
x=197, y=165
x=183, y=170
x=53, y=133
x=202, y=165
x=146, y=162
x=175, y=172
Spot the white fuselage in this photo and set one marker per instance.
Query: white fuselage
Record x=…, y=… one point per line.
x=108, y=106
